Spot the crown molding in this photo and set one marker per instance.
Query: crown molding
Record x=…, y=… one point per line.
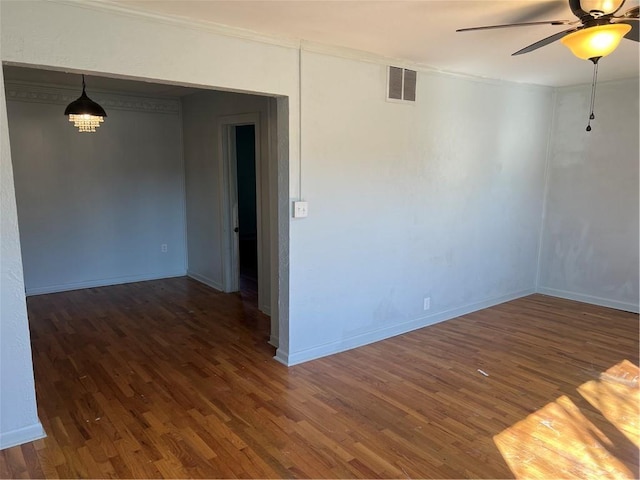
x=368, y=57
x=41, y=93
x=294, y=43
x=216, y=28
x=237, y=32
x=616, y=81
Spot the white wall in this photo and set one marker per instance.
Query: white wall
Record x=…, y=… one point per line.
x=124, y=45
x=42, y=33
x=94, y=209
x=440, y=199
x=590, y=237
x=18, y=413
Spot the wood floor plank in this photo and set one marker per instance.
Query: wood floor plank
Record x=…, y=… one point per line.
x=171, y=379
x=15, y=463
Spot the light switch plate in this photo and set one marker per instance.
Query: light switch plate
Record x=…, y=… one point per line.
x=300, y=209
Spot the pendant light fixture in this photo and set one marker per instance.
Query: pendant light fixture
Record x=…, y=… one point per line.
x=593, y=43
x=85, y=114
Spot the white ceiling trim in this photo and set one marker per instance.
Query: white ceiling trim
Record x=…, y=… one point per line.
x=363, y=56
x=220, y=29
x=483, y=56
x=281, y=41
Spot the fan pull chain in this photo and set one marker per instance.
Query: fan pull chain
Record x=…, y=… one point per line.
x=593, y=91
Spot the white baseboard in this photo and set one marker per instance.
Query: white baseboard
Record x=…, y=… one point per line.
x=21, y=435
x=319, y=351
x=274, y=341
x=580, y=297
x=282, y=357
x=206, y=280
x=103, y=282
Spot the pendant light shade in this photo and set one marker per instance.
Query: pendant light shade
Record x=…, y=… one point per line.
x=85, y=114
x=596, y=42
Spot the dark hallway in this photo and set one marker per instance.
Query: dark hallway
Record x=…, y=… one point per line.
x=247, y=215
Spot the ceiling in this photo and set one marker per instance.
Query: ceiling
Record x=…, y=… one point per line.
x=418, y=31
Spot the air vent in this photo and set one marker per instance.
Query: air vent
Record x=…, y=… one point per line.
x=402, y=84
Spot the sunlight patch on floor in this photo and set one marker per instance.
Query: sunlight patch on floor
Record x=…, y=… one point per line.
x=617, y=396
x=559, y=441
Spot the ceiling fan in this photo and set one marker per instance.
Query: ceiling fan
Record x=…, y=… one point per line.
x=595, y=34
x=591, y=14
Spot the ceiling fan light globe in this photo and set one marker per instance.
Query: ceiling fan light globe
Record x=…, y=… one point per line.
x=605, y=7
x=596, y=42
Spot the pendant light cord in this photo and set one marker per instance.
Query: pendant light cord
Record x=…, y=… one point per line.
x=593, y=91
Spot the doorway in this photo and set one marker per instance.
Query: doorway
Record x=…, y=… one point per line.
x=245, y=222
x=207, y=211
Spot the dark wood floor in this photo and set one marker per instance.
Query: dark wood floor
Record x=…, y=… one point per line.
x=173, y=379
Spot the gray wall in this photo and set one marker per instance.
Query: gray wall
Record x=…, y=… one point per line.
x=590, y=234
x=94, y=209
x=202, y=114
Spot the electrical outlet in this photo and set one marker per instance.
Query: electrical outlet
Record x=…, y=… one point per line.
x=426, y=305
x=163, y=248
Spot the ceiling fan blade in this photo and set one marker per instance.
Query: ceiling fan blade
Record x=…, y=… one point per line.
x=541, y=9
x=631, y=13
x=509, y=25
x=635, y=29
x=545, y=41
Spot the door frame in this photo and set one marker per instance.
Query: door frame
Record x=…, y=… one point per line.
x=229, y=200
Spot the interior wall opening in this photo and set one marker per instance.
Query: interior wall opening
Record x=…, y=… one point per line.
x=118, y=205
